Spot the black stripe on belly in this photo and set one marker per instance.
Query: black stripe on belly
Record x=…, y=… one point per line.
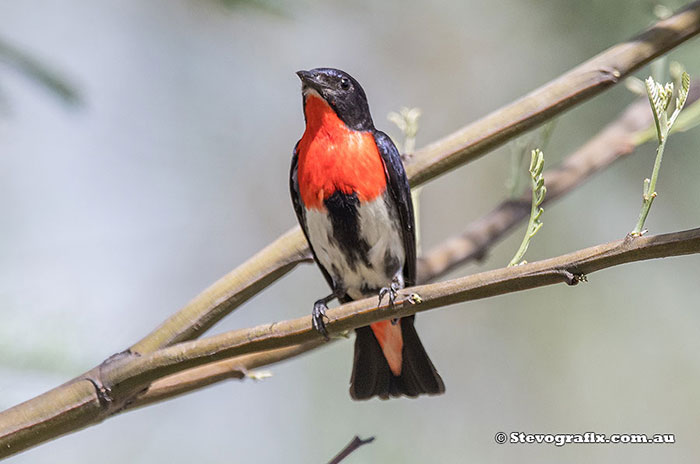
x=342, y=210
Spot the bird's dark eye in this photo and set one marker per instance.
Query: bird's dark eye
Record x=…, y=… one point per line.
x=344, y=83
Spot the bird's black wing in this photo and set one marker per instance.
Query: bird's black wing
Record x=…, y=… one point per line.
x=299, y=209
x=400, y=192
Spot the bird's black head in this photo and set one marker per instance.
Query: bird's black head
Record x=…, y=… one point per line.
x=342, y=92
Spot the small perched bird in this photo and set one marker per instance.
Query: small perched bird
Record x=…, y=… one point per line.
x=351, y=196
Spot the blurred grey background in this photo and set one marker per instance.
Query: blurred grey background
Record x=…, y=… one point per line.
x=173, y=170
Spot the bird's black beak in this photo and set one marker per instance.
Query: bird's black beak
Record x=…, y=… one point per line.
x=305, y=76
x=308, y=79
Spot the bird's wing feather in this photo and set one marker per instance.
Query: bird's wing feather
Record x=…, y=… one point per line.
x=400, y=191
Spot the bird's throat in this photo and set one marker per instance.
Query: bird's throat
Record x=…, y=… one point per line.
x=334, y=157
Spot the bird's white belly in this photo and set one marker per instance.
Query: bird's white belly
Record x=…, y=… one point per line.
x=383, y=254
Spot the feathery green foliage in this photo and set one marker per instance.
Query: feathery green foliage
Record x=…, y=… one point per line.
x=538, y=192
x=660, y=97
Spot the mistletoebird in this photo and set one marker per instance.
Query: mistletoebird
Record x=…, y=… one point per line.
x=351, y=196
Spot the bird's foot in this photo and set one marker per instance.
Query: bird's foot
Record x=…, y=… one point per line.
x=393, y=291
x=392, y=295
x=317, y=315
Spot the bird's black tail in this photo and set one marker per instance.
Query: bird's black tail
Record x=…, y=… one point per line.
x=371, y=375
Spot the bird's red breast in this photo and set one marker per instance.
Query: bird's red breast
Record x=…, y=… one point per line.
x=334, y=157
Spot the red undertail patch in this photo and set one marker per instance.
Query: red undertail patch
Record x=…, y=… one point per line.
x=391, y=341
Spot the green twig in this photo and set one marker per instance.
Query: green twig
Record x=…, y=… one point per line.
x=660, y=98
x=538, y=193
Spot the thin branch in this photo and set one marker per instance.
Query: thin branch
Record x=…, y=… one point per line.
x=352, y=446
x=467, y=144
